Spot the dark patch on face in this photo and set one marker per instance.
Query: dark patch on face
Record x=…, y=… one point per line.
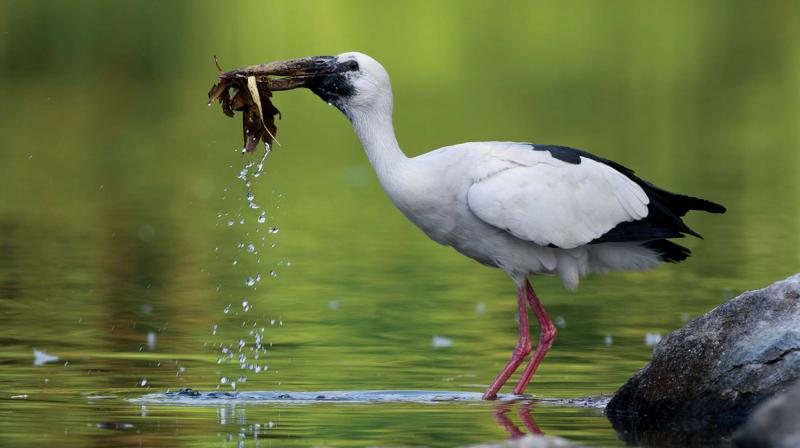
x=334, y=88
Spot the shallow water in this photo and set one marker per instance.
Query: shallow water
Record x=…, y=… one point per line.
x=117, y=186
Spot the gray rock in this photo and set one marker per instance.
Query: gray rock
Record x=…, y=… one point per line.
x=774, y=424
x=532, y=441
x=706, y=378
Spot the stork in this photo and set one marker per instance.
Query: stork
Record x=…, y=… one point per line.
x=523, y=208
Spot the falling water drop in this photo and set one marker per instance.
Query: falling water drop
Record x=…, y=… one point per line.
x=274, y=229
x=250, y=281
x=251, y=248
x=262, y=218
x=227, y=309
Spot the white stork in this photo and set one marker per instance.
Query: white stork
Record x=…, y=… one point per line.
x=524, y=208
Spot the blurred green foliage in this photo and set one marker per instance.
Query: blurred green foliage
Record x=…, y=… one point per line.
x=113, y=171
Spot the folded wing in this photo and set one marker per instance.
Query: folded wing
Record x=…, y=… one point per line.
x=560, y=203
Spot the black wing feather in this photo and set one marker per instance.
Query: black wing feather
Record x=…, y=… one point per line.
x=664, y=211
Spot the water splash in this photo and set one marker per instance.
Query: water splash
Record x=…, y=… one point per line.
x=249, y=353
x=41, y=358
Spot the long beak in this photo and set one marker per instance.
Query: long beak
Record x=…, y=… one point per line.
x=294, y=72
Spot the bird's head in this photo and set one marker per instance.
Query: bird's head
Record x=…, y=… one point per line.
x=350, y=81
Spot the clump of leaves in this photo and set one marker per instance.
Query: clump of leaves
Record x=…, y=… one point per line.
x=251, y=96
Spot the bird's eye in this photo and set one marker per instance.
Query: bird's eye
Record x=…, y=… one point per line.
x=352, y=65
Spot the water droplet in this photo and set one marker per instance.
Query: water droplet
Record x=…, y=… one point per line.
x=250, y=196
x=273, y=273
x=230, y=222
x=258, y=277
x=227, y=309
x=224, y=380
x=272, y=322
x=214, y=329
x=262, y=218
x=440, y=342
x=245, y=306
x=250, y=281
x=274, y=230
x=651, y=339
x=235, y=262
x=251, y=248
x=241, y=221
x=143, y=382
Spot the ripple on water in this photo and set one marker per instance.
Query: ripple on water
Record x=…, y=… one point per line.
x=190, y=397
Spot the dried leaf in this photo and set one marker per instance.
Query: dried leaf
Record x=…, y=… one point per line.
x=251, y=96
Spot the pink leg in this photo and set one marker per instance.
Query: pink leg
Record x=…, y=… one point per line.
x=546, y=338
x=520, y=352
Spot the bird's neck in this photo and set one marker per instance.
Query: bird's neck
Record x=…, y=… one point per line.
x=375, y=129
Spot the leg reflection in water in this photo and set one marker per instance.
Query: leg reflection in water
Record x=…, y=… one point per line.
x=525, y=417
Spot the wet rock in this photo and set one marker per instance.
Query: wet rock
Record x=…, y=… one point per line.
x=532, y=441
x=707, y=377
x=774, y=424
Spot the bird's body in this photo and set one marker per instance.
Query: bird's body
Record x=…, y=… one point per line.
x=450, y=194
x=524, y=208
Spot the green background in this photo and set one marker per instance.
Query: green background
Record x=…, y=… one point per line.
x=116, y=182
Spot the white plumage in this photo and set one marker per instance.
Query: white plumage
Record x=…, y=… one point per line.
x=524, y=208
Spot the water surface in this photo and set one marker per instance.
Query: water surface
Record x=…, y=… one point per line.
x=117, y=184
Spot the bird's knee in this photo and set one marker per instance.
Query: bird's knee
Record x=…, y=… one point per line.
x=549, y=334
x=523, y=348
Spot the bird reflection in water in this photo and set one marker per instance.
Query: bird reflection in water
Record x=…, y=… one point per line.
x=525, y=415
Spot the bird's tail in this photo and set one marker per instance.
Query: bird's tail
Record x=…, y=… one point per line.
x=669, y=251
x=687, y=203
